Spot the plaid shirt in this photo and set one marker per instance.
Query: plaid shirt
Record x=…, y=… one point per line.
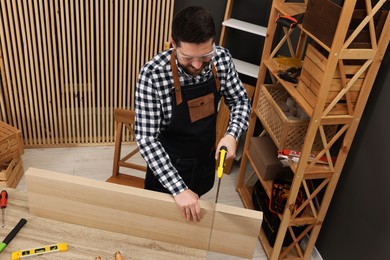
x=153, y=108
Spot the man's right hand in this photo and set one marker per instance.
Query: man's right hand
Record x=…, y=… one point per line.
x=189, y=205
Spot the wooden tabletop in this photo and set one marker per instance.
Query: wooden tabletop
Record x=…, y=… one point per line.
x=83, y=242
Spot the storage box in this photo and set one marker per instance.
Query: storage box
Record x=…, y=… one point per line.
x=11, y=173
x=322, y=16
x=286, y=133
x=312, y=73
x=264, y=153
x=11, y=150
x=11, y=143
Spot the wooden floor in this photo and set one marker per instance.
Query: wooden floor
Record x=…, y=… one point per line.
x=96, y=163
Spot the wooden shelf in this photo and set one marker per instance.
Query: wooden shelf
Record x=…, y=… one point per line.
x=246, y=27
x=246, y=196
x=290, y=8
x=273, y=66
x=332, y=89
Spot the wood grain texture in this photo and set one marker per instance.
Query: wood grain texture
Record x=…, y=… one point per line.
x=84, y=243
x=141, y=213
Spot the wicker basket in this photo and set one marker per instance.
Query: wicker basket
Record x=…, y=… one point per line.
x=286, y=133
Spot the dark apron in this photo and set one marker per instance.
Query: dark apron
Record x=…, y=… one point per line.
x=189, y=139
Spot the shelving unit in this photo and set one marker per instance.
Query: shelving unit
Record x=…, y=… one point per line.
x=333, y=88
x=243, y=67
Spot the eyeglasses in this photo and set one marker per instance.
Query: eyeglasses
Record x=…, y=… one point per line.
x=204, y=58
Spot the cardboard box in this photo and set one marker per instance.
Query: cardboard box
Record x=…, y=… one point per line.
x=263, y=153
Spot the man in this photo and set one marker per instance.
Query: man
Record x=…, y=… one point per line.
x=177, y=98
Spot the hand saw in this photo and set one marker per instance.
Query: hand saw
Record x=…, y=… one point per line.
x=222, y=158
x=221, y=164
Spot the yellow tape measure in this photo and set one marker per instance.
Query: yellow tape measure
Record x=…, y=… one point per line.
x=61, y=247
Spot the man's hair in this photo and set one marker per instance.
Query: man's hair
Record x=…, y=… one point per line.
x=193, y=24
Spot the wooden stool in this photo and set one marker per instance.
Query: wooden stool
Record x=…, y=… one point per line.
x=125, y=118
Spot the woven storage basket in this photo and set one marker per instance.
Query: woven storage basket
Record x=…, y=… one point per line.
x=286, y=133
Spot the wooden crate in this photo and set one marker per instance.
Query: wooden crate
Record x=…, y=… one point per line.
x=11, y=143
x=286, y=133
x=11, y=173
x=312, y=74
x=322, y=17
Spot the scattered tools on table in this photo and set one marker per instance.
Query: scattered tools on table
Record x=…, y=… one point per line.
x=3, y=204
x=290, y=74
x=61, y=247
x=12, y=234
x=286, y=21
x=222, y=158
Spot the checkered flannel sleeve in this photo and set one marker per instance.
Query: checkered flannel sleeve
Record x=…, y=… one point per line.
x=234, y=93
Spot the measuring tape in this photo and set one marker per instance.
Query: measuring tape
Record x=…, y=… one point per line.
x=61, y=247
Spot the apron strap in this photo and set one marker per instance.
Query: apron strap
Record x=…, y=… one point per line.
x=217, y=85
x=176, y=81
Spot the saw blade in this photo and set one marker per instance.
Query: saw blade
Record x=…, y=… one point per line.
x=219, y=185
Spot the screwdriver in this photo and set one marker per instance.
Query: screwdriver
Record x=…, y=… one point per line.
x=3, y=204
x=222, y=157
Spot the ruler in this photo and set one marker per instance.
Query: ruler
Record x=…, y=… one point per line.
x=61, y=247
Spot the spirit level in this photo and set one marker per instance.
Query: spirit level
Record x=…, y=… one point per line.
x=61, y=247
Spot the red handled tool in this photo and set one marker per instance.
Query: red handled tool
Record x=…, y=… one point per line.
x=287, y=21
x=3, y=204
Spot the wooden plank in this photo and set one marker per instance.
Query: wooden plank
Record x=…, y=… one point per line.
x=42, y=231
x=140, y=213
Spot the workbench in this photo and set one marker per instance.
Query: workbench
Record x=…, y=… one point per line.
x=83, y=242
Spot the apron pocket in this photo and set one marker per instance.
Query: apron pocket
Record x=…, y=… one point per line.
x=201, y=107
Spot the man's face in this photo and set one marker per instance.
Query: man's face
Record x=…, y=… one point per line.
x=194, y=57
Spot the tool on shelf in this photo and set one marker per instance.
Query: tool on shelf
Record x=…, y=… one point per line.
x=3, y=204
x=12, y=234
x=222, y=158
x=286, y=21
x=60, y=247
x=294, y=156
x=290, y=74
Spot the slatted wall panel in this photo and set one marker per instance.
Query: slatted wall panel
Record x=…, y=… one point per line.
x=66, y=65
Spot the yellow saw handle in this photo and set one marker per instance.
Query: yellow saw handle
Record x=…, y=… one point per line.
x=222, y=157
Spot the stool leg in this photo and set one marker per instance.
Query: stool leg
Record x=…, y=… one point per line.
x=118, y=147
